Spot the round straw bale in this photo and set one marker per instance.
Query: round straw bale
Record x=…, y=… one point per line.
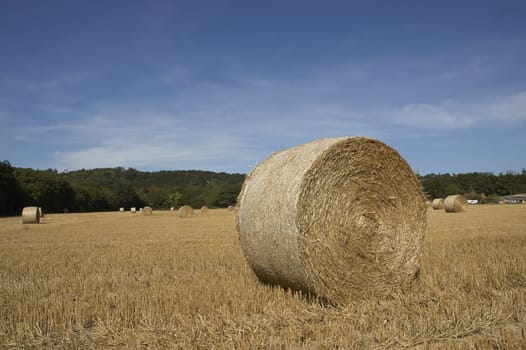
x=185, y=211
x=204, y=209
x=455, y=203
x=121, y=209
x=133, y=210
x=147, y=211
x=172, y=208
x=30, y=215
x=338, y=218
x=438, y=203
x=40, y=212
x=230, y=208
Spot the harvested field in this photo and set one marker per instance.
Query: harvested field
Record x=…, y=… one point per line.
x=117, y=280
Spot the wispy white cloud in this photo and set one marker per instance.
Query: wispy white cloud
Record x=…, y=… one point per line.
x=456, y=115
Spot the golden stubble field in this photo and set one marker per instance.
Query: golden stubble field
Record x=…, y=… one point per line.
x=122, y=280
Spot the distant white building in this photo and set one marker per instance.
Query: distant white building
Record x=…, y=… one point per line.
x=514, y=198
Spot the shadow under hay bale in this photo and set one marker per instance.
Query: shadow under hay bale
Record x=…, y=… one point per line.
x=438, y=203
x=185, y=211
x=338, y=218
x=455, y=203
x=30, y=215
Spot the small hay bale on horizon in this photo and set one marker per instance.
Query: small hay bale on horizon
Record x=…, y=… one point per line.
x=121, y=209
x=438, y=203
x=339, y=218
x=204, y=209
x=30, y=215
x=185, y=211
x=230, y=208
x=40, y=212
x=147, y=211
x=133, y=210
x=455, y=203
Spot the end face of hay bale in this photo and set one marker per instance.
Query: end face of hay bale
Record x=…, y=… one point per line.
x=185, y=211
x=338, y=218
x=30, y=215
x=455, y=203
x=147, y=211
x=438, y=203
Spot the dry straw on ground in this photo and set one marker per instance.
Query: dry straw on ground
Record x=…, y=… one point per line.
x=339, y=218
x=455, y=203
x=147, y=211
x=185, y=211
x=204, y=209
x=30, y=215
x=438, y=203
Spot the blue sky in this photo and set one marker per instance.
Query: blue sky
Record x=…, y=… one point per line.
x=220, y=85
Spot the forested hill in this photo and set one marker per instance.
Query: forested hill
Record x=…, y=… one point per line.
x=112, y=188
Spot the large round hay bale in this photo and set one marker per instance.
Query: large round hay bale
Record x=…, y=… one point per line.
x=438, y=203
x=338, y=218
x=147, y=211
x=30, y=215
x=185, y=211
x=455, y=203
x=204, y=209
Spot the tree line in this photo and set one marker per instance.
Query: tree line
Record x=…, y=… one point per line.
x=482, y=186
x=112, y=188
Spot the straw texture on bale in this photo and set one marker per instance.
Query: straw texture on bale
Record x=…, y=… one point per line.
x=30, y=215
x=438, y=203
x=204, y=209
x=338, y=218
x=133, y=210
x=147, y=211
x=455, y=203
x=185, y=211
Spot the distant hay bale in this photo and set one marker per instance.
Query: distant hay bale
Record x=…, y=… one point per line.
x=30, y=215
x=455, y=203
x=438, y=203
x=172, y=208
x=133, y=210
x=121, y=209
x=230, y=208
x=147, y=211
x=185, y=211
x=338, y=218
x=40, y=212
x=140, y=209
x=204, y=209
